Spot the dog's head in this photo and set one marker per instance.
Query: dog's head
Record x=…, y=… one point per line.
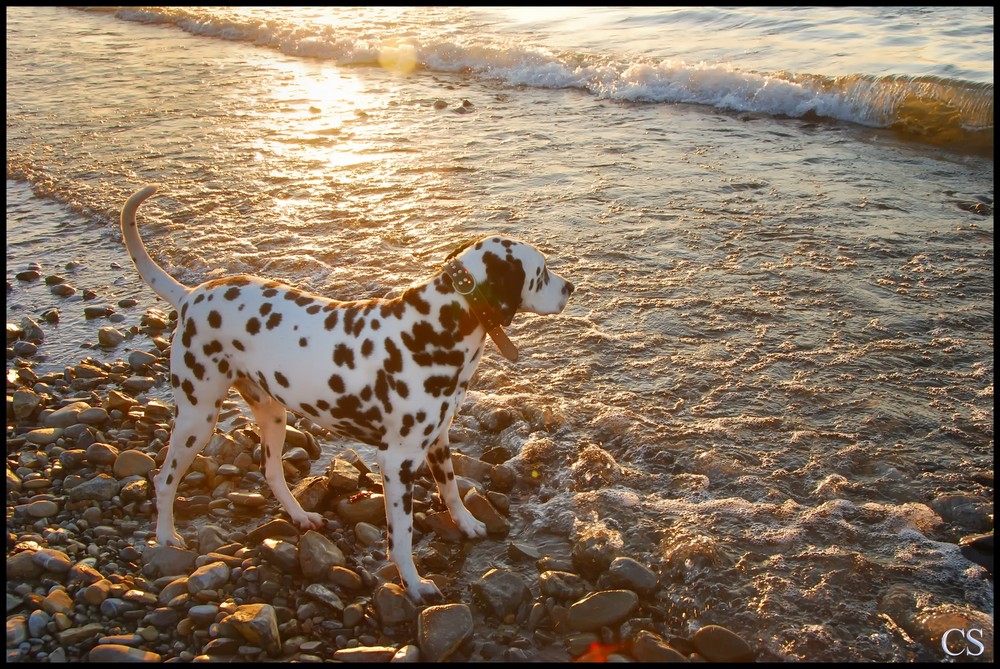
x=513, y=276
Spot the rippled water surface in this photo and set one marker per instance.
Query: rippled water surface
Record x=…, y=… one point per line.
x=779, y=355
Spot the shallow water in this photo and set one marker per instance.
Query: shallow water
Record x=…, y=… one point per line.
x=780, y=350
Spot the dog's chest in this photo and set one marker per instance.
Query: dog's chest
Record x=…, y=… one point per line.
x=378, y=371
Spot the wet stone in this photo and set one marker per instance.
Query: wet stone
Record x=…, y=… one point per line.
x=500, y=592
x=258, y=625
x=442, y=629
x=52, y=560
x=111, y=652
x=718, y=644
x=628, y=573
x=604, y=608
x=317, y=554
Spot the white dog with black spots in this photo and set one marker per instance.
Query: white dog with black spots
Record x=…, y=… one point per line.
x=391, y=373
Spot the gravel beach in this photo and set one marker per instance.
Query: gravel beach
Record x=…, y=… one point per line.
x=86, y=581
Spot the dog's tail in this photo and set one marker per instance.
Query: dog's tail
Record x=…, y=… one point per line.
x=162, y=283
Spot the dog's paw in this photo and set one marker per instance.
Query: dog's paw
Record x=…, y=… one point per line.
x=309, y=520
x=172, y=539
x=424, y=591
x=470, y=525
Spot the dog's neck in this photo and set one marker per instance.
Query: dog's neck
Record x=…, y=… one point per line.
x=463, y=283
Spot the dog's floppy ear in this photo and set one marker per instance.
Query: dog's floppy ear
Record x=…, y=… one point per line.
x=461, y=247
x=503, y=286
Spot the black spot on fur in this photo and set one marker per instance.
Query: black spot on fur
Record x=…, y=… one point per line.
x=273, y=321
x=253, y=326
x=394, y=361
x=232, y=293
x=280, y=378
x=343, y=355
x=331, y=320
x=194, y=365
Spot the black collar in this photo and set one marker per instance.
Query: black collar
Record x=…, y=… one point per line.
x=487, y=314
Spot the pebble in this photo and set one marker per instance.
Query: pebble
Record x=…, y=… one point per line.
x=442, y=629
x=718, y=644
x=600, y=609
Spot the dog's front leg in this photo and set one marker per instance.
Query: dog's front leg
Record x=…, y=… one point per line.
x=439, y=460
x=398, y=472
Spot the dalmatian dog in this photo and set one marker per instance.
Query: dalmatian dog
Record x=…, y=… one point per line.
x=388, y=372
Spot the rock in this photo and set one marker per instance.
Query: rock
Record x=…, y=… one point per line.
x=24, y=403
x=978, y=548
x=365, y=654
x=599, y=609
x=24, y=349
x=592, y=555
x=65, y=416
x=169, y=560
x=310, y=492
x=37, y=623
x=211, y=576
x=44, y=436
x=342, y=475
x=109, y=337
x=500, y=593
x=392, y=605
x=282, y=554
x=969, y=512
x=113, y=652
x=93, y=416
x=562, y=585
x=17, y=630
x=442, y=629
x=370, y=509
x=97, y=311
x=649, y=647
x=629, y=574
x=101, y=454
x=323, y=594
x=250, y=500
x=138, y=384
x=51, y=559
x=101, y=488
x=42, y=508
x=367, y=534
x=279, y=527
x=132, y=463
x=258, y=625
x=31, y=331
x=62, y=290
x=483, y=510
x=718, y=644
x=76, y=635
x=519, y=551
x=140, y=360
x=22, y=566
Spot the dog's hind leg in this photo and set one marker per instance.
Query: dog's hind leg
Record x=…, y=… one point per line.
x=191, y=432
x=270, y=417
x=398, y=472
x=439, y=460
